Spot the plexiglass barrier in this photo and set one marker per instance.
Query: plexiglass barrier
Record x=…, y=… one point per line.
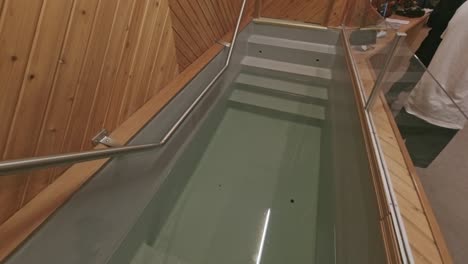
x=419, y=117
x=427, y=111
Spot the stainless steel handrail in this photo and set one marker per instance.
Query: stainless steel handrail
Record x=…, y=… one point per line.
x=13, y=166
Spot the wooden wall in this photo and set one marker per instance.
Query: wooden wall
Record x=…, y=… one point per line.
x=323, y=12
x=198, y=24
x=311, y=11
x=69, y=68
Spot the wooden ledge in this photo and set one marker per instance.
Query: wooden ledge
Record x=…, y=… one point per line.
x=433, y=224
x=424, y=234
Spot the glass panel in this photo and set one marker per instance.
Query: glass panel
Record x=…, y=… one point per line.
x=425, y=112
x=370, y=50
x=430, y=118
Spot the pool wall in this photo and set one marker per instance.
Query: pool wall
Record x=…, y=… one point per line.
x=110, y=207
x=358, y=235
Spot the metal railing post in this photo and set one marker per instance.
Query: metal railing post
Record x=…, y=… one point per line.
x=378, y=86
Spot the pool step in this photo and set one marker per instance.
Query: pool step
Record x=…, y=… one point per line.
x=286, y=70
x=292, y=51
x=318, y=93
x=145, y=254
x=149, y=255
x=327, y=37
x=279, y=104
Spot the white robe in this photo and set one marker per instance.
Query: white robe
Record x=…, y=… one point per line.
x=450, y=68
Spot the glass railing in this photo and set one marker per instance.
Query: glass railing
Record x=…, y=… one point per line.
x=418, y=120
x=370, y=48
x=427, y=113
x=397, y=82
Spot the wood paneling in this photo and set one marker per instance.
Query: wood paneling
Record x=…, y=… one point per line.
x=24, y=222
x=356, y=13
x=312, y=11
x=198, y=24
x=68, y=68
x=326, y=13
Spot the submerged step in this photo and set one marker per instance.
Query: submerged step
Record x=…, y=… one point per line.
x=278, y=104
x=287, y=70
x=327, y=37
x=145, y=254
x=315, y=92
x=292, y=51
x=293, y=44
x=155, y=254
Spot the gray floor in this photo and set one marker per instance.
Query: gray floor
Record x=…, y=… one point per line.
x=446, y=184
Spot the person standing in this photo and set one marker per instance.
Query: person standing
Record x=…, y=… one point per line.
x=438, y=22
x=433, y=114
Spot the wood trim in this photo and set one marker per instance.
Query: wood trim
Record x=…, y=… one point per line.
x=430, y=216
x=22, y=224
x=386, y=222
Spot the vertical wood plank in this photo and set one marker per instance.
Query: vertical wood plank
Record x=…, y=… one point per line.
x=200, y=23
x=160, y=75
x=91, y=74
x=64, y=68
x=135, y=93
x=60, y=103
x=22, y=17
x=38, y=78
x=190, y=23
x=133, y=41
x=37, y=83
x=113, y=63
x=203, y=19
x=211, y=17
x=161, y=40
x=186, y=39
x=220, y=15
x=14, y=56
x=3, y=3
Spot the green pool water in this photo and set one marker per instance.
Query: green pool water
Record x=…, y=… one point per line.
x=251, y=192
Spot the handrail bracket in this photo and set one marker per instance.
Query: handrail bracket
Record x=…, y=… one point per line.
x=224, y=43
x=104, y=138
